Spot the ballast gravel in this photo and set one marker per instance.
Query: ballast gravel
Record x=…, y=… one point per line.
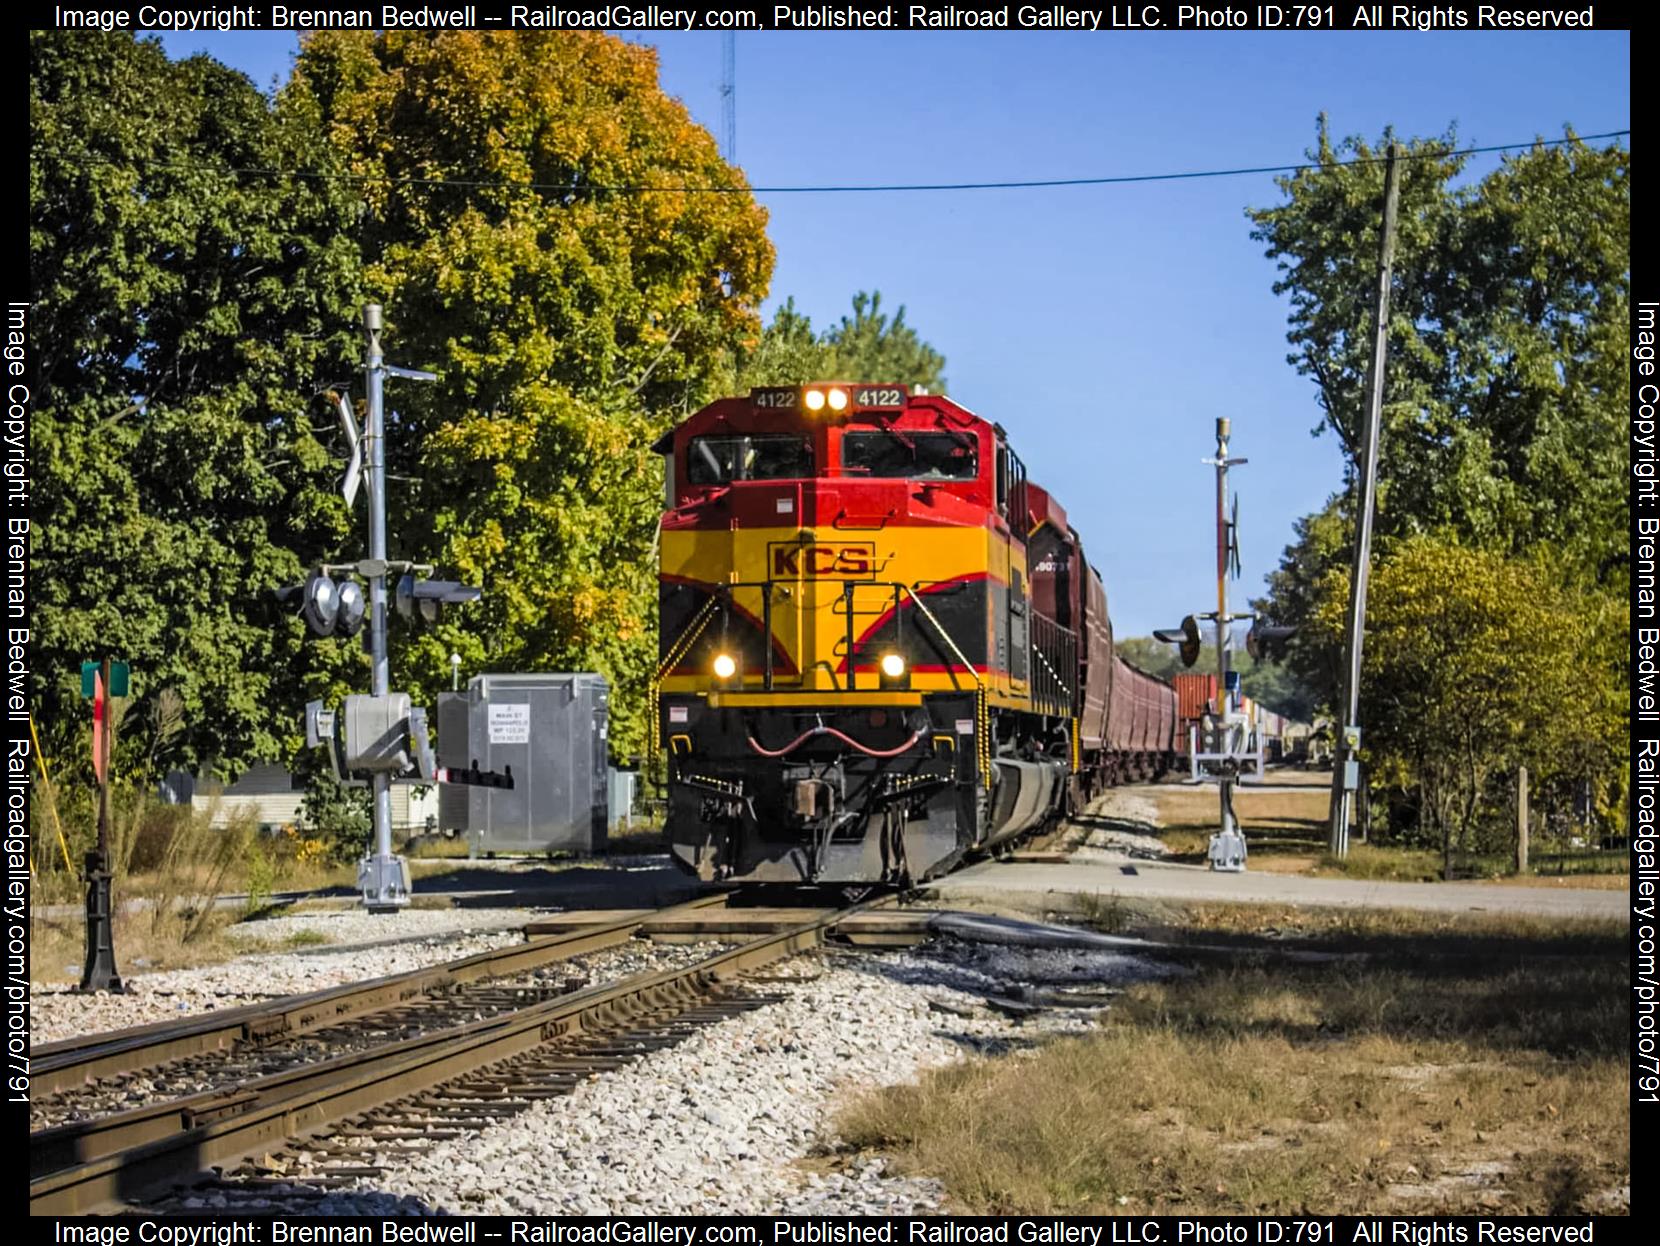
x=722, y=1122
x=359, y=945
x=211, y=1071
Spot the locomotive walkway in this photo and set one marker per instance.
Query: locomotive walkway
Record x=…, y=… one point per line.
x=1150, y=880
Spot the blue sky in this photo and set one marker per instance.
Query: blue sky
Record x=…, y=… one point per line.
x=1105, y=327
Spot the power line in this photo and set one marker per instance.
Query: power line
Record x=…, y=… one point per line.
x=576, y=189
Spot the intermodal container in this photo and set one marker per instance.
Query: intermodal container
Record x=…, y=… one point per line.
x=1194, y=694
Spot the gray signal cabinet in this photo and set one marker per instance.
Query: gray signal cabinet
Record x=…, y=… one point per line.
x=551, y=729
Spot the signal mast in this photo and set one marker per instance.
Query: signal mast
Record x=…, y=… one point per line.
x=1228, y=756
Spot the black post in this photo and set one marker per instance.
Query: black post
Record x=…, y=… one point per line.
x=100, y=973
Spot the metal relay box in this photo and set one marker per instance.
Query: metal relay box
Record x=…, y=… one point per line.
x=551, y=730
x=376, y=732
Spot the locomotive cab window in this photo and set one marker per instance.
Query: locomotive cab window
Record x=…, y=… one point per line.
x=899, y=453
x=772, y=456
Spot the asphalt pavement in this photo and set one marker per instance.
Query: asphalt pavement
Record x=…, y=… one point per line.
x=1147, y=880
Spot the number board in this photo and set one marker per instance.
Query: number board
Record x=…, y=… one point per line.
x=878, y=396
x=775, y=399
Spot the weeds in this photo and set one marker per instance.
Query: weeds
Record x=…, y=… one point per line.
x=1441, y=1073
x=1108, y=913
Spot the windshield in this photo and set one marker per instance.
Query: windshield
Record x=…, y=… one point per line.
x=716, y=460
x=912, y=456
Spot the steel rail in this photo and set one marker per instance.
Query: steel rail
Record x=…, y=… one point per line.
x=261, y=1116
x=76, y=1062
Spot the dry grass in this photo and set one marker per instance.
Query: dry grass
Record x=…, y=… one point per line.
x=643, y=836
x=1278, y=824
x=437, y=848
x=1287, y=831
x=1580, y=882
x=1398, y=932
x=1456, y=1068
x=58, y=945
x=165, y=917
x=1408, y=865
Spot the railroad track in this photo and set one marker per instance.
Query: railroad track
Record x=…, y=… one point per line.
x=322, y=1125
x=66, y=1066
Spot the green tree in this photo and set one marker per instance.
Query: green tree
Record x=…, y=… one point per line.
x=866, y=346
x=1507, y=383
x=1271, y=684
x=1477, y=663
x=1157, y=658
x=183, y=313
x=530, y=232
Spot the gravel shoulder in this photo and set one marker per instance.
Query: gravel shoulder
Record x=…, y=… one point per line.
x=740, y=1117
x=356, y=949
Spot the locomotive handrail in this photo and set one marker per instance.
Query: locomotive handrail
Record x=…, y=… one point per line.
x=945, y=635
x=898, y=587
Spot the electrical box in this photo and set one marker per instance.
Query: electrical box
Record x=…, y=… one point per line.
x=376, y=733
x=623, y=785
x=552, y=730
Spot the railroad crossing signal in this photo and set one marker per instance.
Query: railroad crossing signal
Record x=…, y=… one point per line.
x=427, y=598
x=1266, y=642
x=330, y=607
x=1187, y=636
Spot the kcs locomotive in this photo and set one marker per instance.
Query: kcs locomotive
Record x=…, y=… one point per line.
x=882, y=648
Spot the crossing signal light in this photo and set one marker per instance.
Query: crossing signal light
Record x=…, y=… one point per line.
x=1186, y=636
x=329, y=607
x=1265, y=642
x=426, y=599
x=353, y=606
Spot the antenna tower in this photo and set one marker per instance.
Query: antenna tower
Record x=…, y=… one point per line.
x=729, y=97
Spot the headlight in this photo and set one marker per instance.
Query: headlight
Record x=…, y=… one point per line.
x=813, y=400
x=893, y=666
x=837, y=399
x=725, y=666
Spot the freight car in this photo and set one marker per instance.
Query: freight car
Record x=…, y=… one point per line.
x=882, y=647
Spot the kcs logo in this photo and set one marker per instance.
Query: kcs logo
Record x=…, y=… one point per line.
x=853, y=561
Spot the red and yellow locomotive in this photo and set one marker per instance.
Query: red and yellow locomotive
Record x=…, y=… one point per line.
x=882, y=648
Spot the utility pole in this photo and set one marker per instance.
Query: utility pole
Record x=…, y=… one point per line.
x=1345, y=766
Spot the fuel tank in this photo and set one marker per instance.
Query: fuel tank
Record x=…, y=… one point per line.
x=1028, y=794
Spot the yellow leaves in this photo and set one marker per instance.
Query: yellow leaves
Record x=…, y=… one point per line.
x=499, y=438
